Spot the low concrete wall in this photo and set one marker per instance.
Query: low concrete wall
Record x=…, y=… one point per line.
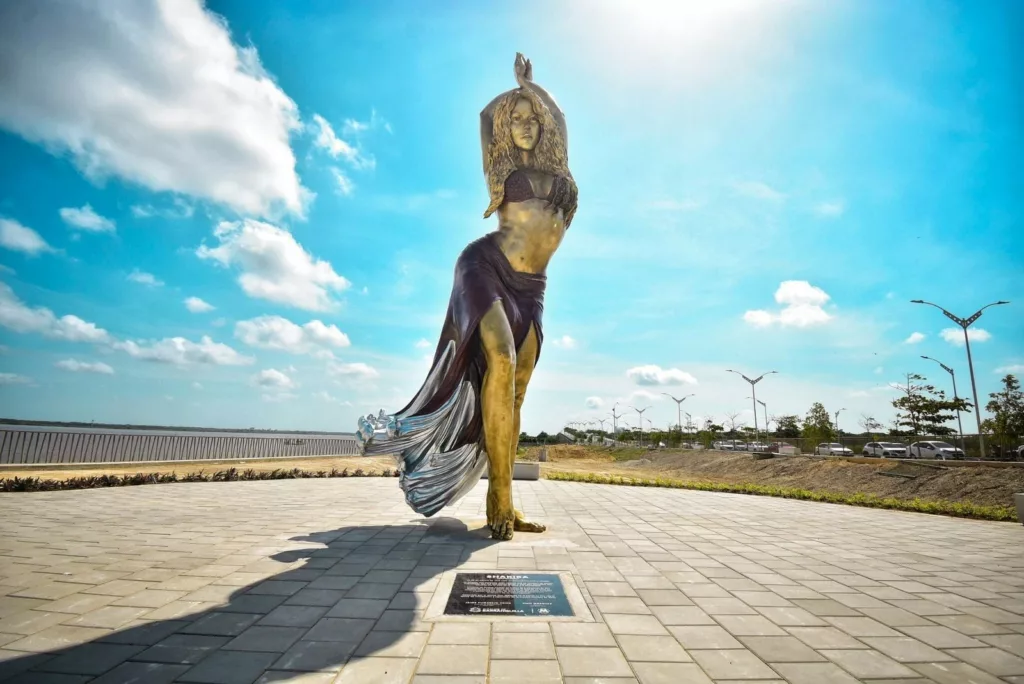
x=523, y=470
x=1019, y=500
x=32, y=445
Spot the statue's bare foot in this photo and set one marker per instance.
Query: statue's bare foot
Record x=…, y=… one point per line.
x=523, y=525
x=502, y=523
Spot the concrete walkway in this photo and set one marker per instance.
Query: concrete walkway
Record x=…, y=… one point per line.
x=316, y=581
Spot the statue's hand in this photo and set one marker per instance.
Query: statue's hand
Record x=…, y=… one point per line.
x=523, y=70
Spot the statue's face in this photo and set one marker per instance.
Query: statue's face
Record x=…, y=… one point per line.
x=525, y=125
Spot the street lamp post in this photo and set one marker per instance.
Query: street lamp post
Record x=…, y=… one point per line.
x=839, y=432
x=679, y=411
x=689, y=424
x=641, y=413
x=615, y=420
x=765, y=407
x=956, y=398
x=753, y=391
x=965, y=323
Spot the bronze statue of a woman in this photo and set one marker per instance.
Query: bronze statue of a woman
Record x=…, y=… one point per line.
x=465, y=417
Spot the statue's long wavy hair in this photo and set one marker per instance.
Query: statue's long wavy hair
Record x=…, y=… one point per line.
x=503, y=157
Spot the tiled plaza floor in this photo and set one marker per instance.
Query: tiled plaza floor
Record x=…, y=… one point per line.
x=314, y=581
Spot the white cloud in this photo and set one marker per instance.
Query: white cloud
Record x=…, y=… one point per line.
x=651, y=375
x=955, y=336
x=19, y=238
x=594, y=402
x=1012, y=368
x=325, y=396
x=197, y=385
x=914, y=338
x=154, y=92
x=423, y=343
x=85, y=218
x=15, y=316
x=14, y=379
x=830, y=209
x=179, y=351
x=802, y=307
x=860, y=394
x=758, y=190
x=344, y=183
x=275, y=332
x=352, y=371
x=564, y=342
x=144, y=278
x=197, y=305
x=84, y=367
x=179, y=209
x=272, y=378
x=274, y=266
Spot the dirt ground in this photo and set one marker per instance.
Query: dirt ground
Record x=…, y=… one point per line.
x=369, y=464
x=982, y=485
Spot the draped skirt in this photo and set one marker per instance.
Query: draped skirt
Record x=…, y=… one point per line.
x=437, y=437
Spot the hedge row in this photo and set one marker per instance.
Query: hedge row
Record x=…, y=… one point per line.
x=960, y=510
x=35, y=484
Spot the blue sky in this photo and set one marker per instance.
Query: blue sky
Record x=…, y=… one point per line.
x=247, y=213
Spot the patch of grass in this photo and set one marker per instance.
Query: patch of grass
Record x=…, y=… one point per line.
x=960, y=510
x=627, y=453
x=35, y=484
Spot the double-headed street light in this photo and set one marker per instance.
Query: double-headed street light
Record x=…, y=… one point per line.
x=956, y=399
x=753, y=392
x=641, y=414
x=965, y=323
x=679, y=410
x=839, y=433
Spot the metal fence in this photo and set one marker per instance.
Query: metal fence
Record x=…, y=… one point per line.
x=33, y=445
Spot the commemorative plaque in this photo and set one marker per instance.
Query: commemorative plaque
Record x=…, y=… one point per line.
x=512, y=594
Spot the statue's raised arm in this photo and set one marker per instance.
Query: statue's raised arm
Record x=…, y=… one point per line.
x=524, y=77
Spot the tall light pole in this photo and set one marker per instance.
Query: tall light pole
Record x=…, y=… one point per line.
x=615, y=420
x=838, y=431
x=965, y=323
x=679, y=411
x=689, y=423
x=765, y=407
x=641, y=414
x=956, y=398
x=753, y=392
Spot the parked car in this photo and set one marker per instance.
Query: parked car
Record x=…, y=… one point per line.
x=939, y=451
x=833, y=449
x=885, y=449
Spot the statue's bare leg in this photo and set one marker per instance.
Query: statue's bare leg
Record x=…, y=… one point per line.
x=526, y=361
x=497, y=399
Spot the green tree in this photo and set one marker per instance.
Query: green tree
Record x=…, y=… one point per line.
x=817, y=426
x=924, y=410
x=788, y=426
x=1007, y=409
x=709, y=433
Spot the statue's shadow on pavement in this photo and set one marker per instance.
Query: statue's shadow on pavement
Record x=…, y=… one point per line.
x=360, y=593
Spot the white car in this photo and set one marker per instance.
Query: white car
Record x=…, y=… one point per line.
x=938, y=451
x=885, y=449
x=833, y=449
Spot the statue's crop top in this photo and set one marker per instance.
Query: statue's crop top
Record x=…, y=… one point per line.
x=519, y=189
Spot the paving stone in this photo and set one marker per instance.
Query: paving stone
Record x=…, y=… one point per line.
x=814, y=673
x=293, y=616
x=586, y=661
x=682, y=615
x=448, y=679
x=992, y=660
x=453, y=660
x=692, y=637
x=516, y=671
x=392, y=644
x=732, y=664
x=867, y=664
x=54, y=638
x=522, y=646
x=358, y=608
x=662, y=673
x=781, y=649
x=627, y=606
x=91, y=659
x=229, y=667
x=142, y=673
x=35, y=677
x=265, y=639
x=182, y=649
x=749, y=625
x=663, y=649
x=377, y=671
x=581, y=634
x=340, y=629
x=620, y=589
x=315, y=656
x=144, y=633
x=907, y=650
x=635, y=624
x=461, y=634
x=954, y=673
